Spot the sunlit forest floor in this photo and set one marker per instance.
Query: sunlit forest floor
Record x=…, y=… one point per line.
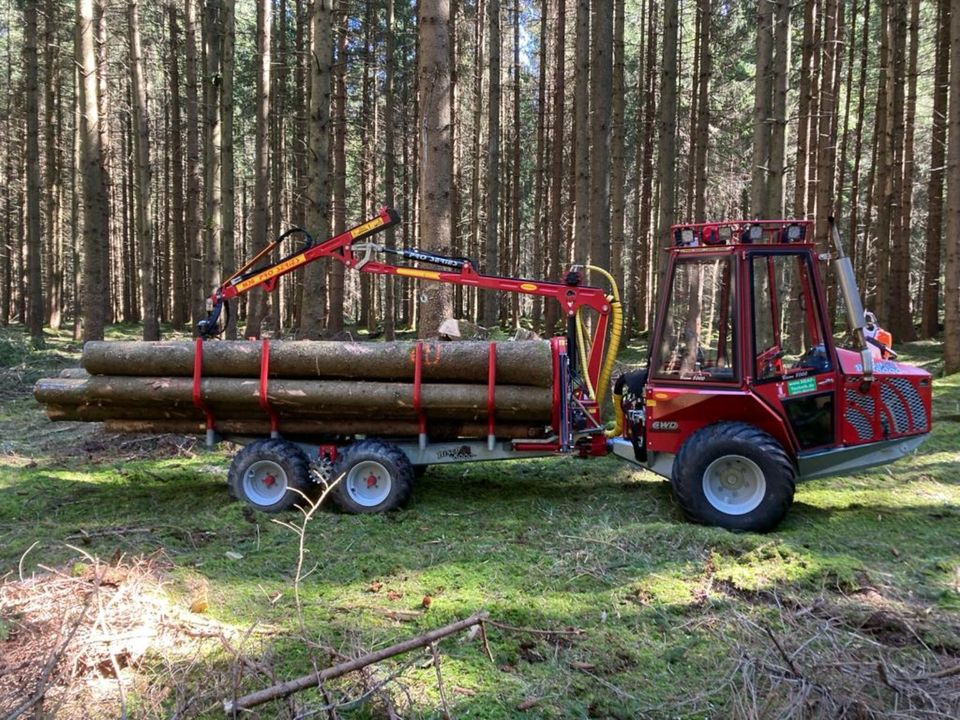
x=179, y=598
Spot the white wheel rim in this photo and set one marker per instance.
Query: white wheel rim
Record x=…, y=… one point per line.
x=368, y=483
x=734, y=484
x=265, y=482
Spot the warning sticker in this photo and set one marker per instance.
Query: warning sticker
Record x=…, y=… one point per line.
x=803, y=385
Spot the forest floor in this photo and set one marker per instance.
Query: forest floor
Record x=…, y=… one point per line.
x=132, y=585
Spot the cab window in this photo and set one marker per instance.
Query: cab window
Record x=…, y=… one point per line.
x=697, y=340
x=788, y=337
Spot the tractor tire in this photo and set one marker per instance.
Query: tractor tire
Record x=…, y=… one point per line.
x=271, y=476
x=735, y=476
x=373, y=476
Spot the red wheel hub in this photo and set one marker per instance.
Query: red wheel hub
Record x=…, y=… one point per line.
x=372, y=480
x=269, y=480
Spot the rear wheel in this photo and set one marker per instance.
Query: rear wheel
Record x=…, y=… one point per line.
x=270, y=475
x=735, y=476
x=374, y=476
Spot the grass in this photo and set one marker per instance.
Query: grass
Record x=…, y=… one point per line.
x=670, y=612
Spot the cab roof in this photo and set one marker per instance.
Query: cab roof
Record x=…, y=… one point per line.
x=741, y=232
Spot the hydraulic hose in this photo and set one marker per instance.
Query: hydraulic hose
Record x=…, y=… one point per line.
x=616, y=332
x=599, y=392
x=584, y=357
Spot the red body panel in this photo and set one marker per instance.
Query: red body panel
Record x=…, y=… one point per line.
x=675, y=413
x=897, y=404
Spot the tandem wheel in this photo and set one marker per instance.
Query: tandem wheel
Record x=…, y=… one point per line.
x=373, y=476
x=271, y=476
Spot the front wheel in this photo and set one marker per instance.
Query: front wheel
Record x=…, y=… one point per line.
x=735, y=476
x=372, y=476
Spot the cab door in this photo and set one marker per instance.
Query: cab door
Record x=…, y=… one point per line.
x=790, y=355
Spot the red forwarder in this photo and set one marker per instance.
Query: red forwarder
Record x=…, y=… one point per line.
x=745, y=391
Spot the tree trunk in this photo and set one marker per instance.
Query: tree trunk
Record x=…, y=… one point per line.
x=144, y=175
x=335, y=311
x=851, y=46
x=227, y=237
x=804, y=119
x=436, y=168
x=552, y=309
x=194, y=186
x=541, y=176
x=581, y=120
x=702, y=130
x=75, y=223
x=853, y=232
x=763, y=93
x=489, y=302
x=827, y=134
x=515, y=210
x=277, y=154
x=667, y=129
x=477, y=98
x=901, y=319
x=930, y=320
x=780, y=83
x=54, y=253
x=314, y=304
x=601, y=77
x=211, y=155
x=389, y=162
x=645, y=279
x=101, y=397
x=951, y=345
x=32, y=110
x=882, y=177
x=95, y=207
x=518, y=363
x=258, y=303
x=103, y=100
x=6, y=249
x=181, y=302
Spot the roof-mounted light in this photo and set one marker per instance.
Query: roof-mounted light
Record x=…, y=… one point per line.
x=685, y=237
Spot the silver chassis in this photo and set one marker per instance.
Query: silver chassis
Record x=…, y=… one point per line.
x=809, y=465
x=856, y=457
x=439, y=453
x=823, y=463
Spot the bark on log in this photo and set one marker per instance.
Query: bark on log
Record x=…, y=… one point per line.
x=317, y=428
x=517, y=363
x=300, y=397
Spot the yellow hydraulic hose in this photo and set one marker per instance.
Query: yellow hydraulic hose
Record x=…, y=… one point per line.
x=582, y=349
x=610, y=357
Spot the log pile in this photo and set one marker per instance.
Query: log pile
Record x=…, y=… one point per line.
x=314, y=388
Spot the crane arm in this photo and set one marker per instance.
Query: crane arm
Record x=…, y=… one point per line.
x=355, y=250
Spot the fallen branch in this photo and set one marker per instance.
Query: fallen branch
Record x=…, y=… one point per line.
x=303, y=682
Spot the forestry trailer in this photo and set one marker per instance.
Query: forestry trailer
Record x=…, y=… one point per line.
x=744, y=393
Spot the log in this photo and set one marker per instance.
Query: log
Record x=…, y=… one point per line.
x=320, y=428
x=316, y=397
x=518, y=363
x=315, y=679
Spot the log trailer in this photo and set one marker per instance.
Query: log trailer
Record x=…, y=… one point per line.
x=744, y=394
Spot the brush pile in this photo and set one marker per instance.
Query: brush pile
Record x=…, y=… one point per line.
x=313, y=388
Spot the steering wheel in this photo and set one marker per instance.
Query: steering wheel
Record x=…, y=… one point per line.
x=770, y=361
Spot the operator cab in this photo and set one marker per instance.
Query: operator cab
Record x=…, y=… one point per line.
x=774, y=340
x=745, y=391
